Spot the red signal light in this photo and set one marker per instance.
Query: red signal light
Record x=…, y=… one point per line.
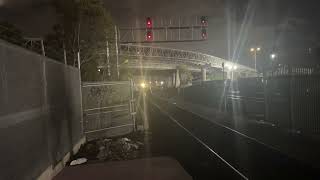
x=149, y=23
x=204, y=21
x=149, y=36
x=204, y=34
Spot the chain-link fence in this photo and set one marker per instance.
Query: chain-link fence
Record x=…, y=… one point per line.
x=109, y=108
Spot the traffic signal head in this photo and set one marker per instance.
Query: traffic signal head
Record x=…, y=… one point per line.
x=149, y=36
x=204, y=21
x=204, y=34
x=149, y=23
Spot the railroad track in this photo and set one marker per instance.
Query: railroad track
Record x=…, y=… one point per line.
x=240, y=156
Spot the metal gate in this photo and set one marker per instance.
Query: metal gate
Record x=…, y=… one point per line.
x=108, y=109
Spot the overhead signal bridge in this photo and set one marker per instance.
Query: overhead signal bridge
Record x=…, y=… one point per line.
x=149, y=57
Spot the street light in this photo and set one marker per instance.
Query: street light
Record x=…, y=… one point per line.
x=273, y=56
x=255, y=51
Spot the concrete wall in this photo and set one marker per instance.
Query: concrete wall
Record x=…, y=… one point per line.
x=40, y=112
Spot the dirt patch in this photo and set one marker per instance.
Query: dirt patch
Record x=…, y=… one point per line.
x=121, y=148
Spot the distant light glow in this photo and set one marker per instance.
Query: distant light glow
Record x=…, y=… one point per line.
x=255, y=49
x=161, y=82
x=229, y=66
x=273, y=56
x=143, y=85
x=99, y=70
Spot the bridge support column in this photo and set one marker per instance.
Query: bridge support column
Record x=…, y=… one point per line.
x=169, y=82
x=229, y=74
x=177, y=78
x=174, y=80
x=203, y=74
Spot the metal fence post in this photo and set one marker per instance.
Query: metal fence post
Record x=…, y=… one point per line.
x=266, y=98
x=42, y=48
x=45, y=108
x=80, y=91
x=132, y=106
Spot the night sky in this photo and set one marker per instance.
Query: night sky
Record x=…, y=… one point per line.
x=260, y=20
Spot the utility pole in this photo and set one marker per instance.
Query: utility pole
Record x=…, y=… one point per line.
x=108, y=60
x=223, y=71
x=64, y=53
x=255, y=51
x=42, y=48
x=117, y=51
x=255, y=60
x=78, y=41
